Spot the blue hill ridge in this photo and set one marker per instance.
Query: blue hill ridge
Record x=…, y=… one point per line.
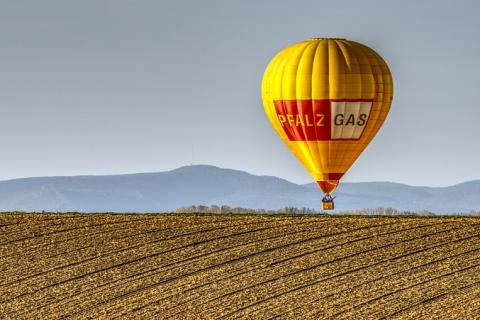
x=207, y=185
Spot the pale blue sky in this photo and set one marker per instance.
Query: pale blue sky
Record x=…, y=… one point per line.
x=105, y=87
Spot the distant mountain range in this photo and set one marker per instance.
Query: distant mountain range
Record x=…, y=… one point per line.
x=206, y=185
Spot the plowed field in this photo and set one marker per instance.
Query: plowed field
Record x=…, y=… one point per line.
x=231, y=267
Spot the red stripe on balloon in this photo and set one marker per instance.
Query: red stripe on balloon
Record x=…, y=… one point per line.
x=333, y=176
x=305, y=120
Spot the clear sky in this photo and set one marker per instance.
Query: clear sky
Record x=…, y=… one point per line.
x=106, y=87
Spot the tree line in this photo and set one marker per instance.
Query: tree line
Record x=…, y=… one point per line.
x=220, y=209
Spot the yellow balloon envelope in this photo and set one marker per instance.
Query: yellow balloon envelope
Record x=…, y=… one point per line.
x=327, y=98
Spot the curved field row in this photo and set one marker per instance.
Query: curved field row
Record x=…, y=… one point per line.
x=230, y=267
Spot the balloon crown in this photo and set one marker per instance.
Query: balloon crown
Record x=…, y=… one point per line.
x=328, y=39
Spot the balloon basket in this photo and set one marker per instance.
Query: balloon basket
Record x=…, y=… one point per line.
x=328, y=205
x=327, y=202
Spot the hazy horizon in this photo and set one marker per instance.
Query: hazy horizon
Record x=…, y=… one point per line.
x=226, y=168
x=114, y=87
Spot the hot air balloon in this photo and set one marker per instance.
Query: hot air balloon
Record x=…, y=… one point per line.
x=327, y=98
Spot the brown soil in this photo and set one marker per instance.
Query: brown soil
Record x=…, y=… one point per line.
x=74, y=266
